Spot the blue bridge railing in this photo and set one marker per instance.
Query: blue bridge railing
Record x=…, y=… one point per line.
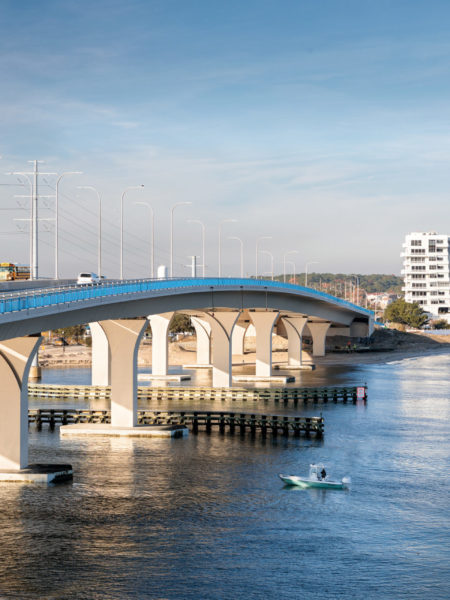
x=38, y=298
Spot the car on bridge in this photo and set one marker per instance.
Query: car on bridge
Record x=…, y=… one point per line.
x=87, y=278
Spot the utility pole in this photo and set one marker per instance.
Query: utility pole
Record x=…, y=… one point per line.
x=34, y=219
x=34, y=225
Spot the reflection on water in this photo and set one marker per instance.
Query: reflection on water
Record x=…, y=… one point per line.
x=207, y=516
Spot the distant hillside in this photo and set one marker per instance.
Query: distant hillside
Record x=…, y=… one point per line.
x=329, y=281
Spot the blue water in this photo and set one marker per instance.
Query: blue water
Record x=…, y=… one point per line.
x=206, y=517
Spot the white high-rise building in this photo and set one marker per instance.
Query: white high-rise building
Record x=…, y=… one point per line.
x=426, y=272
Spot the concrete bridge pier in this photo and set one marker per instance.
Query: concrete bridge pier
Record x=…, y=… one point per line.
x=203, y=335
x=160, y=339
x=16, y=357
x=222, y=324
x=238, y=337
x=318, y=332
x=263, y=323
x=123, y=338
x=160, y=349
x=101, y=358
x=294, y=328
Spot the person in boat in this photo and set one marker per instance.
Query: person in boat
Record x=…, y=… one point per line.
x=323, y=473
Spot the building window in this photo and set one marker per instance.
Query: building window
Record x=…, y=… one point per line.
x=416, y=242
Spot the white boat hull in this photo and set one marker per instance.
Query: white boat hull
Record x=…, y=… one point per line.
x=305, y=482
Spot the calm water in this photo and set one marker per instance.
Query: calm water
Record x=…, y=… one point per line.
x=206, y=517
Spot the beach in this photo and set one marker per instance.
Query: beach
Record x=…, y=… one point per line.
x=387, y=346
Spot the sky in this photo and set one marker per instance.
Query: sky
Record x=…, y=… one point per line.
x=321, y=124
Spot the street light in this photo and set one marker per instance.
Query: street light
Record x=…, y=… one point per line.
x=152, y=243
x=284, y=262
x=99, y=198
x=311, y=262
x=203, y=243
x=220, y=241
x=242, y=252
x=263, y=237
x=133, y=187
x=271, y=257
x=57, y=217
x=171, y=232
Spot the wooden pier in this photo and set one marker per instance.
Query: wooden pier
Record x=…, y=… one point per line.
x=346, y=394
x=195, y=420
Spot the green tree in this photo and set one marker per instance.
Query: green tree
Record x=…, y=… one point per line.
x=406, y=313
x=180, y=324
x=71, y=332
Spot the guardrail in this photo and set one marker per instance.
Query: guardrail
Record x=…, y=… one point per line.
x=29, y=300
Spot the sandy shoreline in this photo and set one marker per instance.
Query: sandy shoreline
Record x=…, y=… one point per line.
x=183, y=353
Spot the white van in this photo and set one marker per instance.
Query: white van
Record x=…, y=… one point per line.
x=87, y=278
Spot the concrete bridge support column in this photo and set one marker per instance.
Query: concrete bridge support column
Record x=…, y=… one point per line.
x=101, y=359
x=16, y=356
x=160, y=349
x=203, y=334
x=238, y=337
x=124, y=336
x=264, y=323
x=294, y=329
x=318, y=334
x=222, y=324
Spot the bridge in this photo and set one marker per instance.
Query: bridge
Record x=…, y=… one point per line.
x=221, y=311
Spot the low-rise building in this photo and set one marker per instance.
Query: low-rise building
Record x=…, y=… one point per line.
x=379, y=300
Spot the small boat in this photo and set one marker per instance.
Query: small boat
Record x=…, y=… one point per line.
x=317, y=479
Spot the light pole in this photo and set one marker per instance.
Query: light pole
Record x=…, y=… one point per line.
x=132, y=187
x=152, y=233
x=311, y=262
x=242, y=252
x=203, y=243
x=220, y=242
x=291, y=262
x=57, y=217
x=284, y=262
x=99, y=243
x=171, y=232
x=271, y=258
x=263, y=237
